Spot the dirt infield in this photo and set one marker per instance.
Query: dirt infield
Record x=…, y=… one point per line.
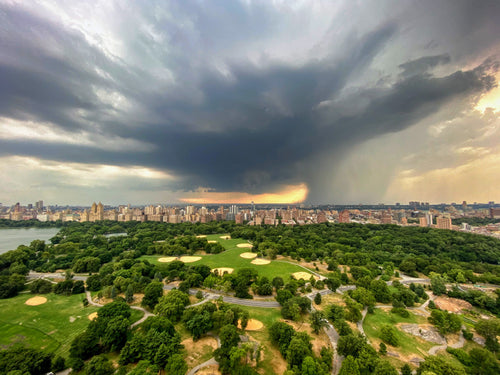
x=35, y=301
x=167, y=259
x=212, y=241
x=244, y=245
x=187, y=259
x=221, y=270
x=201, y=236
x=225, y=237
x=92, y=316
x=252, y=325
x=260, y=262
x=248, y=255
x=302, y=275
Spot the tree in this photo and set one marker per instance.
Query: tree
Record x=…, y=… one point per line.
x=317, y=299
x=299, y=348
x=309, y=366
x=439, y=365
x=199, y=324
x=115, y=334
x=85, y=345
x=176, y=365
x=99, y=365
x=483, y=362
x=406, y=369
x=383, y=367
x=281, y=334
x=388, y=334
x=351, y=344
x=438, y=284
x=278, y=283
x=445, y=322
x=318, y=321
x=172, y=305
x=152, y=294
x=349, y=366
x=129, y=294
x=382, y=349
x=489, y=329
x=24, y=361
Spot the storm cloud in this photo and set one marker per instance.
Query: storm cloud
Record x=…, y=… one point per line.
x=235, y=96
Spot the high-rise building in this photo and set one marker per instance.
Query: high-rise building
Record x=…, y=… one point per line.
x=443, y=222
x=39, y=206
x=344, y=217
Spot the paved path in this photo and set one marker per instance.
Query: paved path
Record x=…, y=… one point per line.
x=211, y=361
x=359, y=324
x=53, y=275
x=146, y=315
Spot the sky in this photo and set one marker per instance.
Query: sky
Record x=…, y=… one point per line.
x=235, y=101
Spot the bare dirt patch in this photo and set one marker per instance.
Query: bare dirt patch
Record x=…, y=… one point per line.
x=212, y=241
x=201, y=236
x=187, y=259
x=167, y=259
x=319, y=340
x=452, y=304
x=248, y=255
x=222, y=270
x=197, y=349
x=209, y=370
x=244, y=245
x=225, y=237
x=253, y=325
x=260, y=262
x=303, y=275
x=92, y=316
x=35, y=301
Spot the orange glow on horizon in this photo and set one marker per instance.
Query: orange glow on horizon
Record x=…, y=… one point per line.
x=490, y=99
x=290, y=194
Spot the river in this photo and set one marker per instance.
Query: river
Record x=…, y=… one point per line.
x=10, y=239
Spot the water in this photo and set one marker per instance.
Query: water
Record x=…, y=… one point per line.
x=10, y=239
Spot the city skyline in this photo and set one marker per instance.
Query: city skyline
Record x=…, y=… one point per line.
x=238, y=101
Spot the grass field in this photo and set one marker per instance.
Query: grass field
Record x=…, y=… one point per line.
x=51, y=326
x=231, y=259
x=272, y=361
x=408, y=344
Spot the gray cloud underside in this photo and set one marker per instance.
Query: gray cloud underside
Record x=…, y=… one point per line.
x=253, y=128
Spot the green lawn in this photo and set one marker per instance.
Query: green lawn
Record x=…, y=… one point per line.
x=408, y=343
x=231, y=258
x=51, y=326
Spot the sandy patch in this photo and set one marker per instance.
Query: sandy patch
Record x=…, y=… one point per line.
x=260, y=262
x=35, y=301
x=253, y=325
x=452, y=304
x=209, y=370
x=212, y=241
x=225, y=237
x=167, y=259
x=92, y=316
x=196, y=349
x=72, y=319
x=245, y=245
x=303, y=275
x=221, y=270
x=248, y=255
x=201, y=236
x=187, y=259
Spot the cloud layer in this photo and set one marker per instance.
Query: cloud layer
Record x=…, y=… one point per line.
x=250, y=97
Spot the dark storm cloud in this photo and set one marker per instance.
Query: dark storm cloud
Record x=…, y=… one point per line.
x=423, y=64
x=248, y=126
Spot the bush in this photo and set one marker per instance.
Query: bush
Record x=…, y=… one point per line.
x=401, y=312
x=388, y=334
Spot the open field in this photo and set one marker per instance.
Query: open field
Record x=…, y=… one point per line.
x=272, y=362
x=50, y=326
x=231, y=259
x=409, y=346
